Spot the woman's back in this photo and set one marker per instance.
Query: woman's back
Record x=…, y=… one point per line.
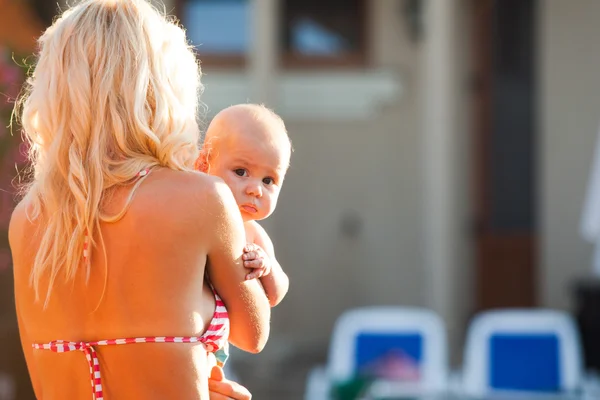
x=153, y=285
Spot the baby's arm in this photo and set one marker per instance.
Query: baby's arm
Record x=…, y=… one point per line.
x=276, y=282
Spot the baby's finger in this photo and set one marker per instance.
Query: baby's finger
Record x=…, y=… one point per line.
x=227, y=389
x=250, y=255
x=257, y=273
x=216, y=373
x=258, y=263
x=249, y=247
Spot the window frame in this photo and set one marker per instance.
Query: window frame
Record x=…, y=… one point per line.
x=289, y=60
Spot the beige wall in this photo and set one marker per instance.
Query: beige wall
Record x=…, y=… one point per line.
x=380, y=178
x=569, y=118
x=370, y=168
x=169, y=4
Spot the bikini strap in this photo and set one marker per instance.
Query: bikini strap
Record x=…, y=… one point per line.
x=140, y=176
x=210, y=284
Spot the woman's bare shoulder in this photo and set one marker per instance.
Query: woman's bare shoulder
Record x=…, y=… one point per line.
x=192, y=203
x=19, y=224
x=193, y=193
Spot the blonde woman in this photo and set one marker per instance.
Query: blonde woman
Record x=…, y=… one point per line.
x=116, y=236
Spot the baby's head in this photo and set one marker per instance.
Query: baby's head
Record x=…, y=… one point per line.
x=247, y=146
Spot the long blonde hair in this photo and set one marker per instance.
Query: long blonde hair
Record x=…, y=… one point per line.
x=115, y=90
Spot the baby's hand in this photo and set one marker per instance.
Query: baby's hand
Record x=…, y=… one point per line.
x=255, y=257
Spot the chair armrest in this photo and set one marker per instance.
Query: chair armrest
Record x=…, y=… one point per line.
x=318, y=385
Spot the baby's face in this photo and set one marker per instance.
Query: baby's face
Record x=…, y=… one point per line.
x=254, y=170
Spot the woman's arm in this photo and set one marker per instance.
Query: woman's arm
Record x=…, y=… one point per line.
x=246, y=302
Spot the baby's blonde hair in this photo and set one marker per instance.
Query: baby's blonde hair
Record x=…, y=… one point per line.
x=221, y=126
x=115, y=91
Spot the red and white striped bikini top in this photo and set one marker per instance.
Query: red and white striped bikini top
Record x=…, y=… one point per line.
x=214, y=338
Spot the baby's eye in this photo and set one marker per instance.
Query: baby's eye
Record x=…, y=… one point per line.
x=240, y=172
x=268, y=181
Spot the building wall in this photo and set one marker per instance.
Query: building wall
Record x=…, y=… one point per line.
x=569, y=118
x=357, y=173
x=343, y=171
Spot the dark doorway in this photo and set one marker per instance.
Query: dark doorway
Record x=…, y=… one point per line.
x=504, y=146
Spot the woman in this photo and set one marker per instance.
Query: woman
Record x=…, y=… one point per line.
x=115, y=238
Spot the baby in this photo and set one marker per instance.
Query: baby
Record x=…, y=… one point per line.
x=247, y=146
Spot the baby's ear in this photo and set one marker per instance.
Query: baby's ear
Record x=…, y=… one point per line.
x=201, y=163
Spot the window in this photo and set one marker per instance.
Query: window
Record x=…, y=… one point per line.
x=219, y=29
x=311, y=32
x=317, y=32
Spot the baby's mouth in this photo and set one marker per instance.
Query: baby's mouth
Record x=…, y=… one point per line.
x=249, y=208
